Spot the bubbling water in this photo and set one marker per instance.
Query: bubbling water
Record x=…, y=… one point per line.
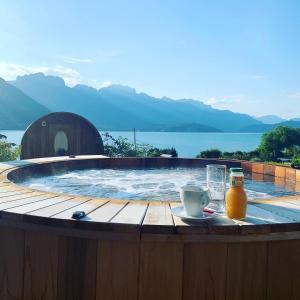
x=135, y=184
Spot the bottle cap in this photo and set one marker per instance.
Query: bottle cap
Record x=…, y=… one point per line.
x=238, y=170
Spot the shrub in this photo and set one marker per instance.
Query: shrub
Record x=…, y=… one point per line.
x=212, y=153
x=8, y=151
x=123, y=148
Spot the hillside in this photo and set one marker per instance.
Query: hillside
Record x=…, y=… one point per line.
x=270, y=119
x=17, y=110
x=268, y=127
x=119, y=107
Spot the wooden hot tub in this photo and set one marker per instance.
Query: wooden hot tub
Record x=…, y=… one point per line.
x=138, y=250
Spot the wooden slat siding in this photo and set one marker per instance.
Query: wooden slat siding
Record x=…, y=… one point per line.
x=269, y=169
x=247, y=166
x=298, y=175
x=297, y=186
x=246, y=271
x=87, y=207
x=106, y=212
x=15, y=203
x=283, y=270
x=117, y=270
x=132, y=213
x=290, y=174
x=280, y=171
x=258, y=168
x=41, y=257
x=27, y=208
x=284, y=209
x=161, y=267
x=11, y=264
x=257, y=176
x=21, y=196
x=49, y=211
x=215, y=225
x=77, y=266
x=204, y=272
x=158, y=213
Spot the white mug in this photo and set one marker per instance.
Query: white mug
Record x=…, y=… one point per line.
x=194, y=199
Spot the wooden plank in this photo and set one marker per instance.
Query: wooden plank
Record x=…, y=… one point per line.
x=158, y=218
x=87, y=207
x=3, y=196
x=284, y=270
x=283, y=209
x=220, y=224
x=106, y=212
x=264, y=216
x=298, y=175
x=49, y=211
x=246, y=271
x=290, y=174
x=280, y=171
x=15, y=203
x=161, y=266
x=204, y=273
x=77, y=268
x=132, y=213
x=117, y=270
x=27, y=208
x=11, y=263
x=40, y=279
x=21, y=196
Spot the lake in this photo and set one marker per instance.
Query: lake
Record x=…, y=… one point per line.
x=187, y=144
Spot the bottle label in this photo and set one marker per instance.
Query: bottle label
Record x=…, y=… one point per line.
x=236, y=181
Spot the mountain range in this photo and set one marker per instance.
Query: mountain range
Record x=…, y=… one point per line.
x=116, y=107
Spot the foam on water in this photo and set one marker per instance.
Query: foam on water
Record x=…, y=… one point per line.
x=150, y=184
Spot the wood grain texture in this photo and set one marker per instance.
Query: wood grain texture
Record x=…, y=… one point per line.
x=246, y=271
x=28, y=200
x=283, y=270
x=117, y=270
x=27, y=208
x=132, y=213
x=87, y=207
x=204, y=272
x=41, y=257
x=77, y=268
x=51, y=210
x=158, y=213
x=161, y=266
x=11, y=264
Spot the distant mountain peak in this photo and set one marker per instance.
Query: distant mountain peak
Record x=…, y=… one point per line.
x=41, y=78
x=270, y=119
x=119, y=88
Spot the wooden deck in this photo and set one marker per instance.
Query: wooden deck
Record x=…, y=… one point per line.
x=139, y=250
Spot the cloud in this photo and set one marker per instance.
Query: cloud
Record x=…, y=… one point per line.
x=105, y=84
x=224, y=102
x=11, y=71
x=75, y=60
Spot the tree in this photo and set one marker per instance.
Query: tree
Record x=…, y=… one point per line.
x=8, y=151
x=281, y=138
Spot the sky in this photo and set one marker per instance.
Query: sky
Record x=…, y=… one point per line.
x=240, y=55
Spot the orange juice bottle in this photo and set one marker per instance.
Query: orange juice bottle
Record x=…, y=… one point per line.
x=236, y=198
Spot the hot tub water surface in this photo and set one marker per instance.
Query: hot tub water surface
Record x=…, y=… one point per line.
x=140, y=184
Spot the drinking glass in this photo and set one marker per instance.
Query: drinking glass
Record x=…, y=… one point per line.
x=216, y=183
